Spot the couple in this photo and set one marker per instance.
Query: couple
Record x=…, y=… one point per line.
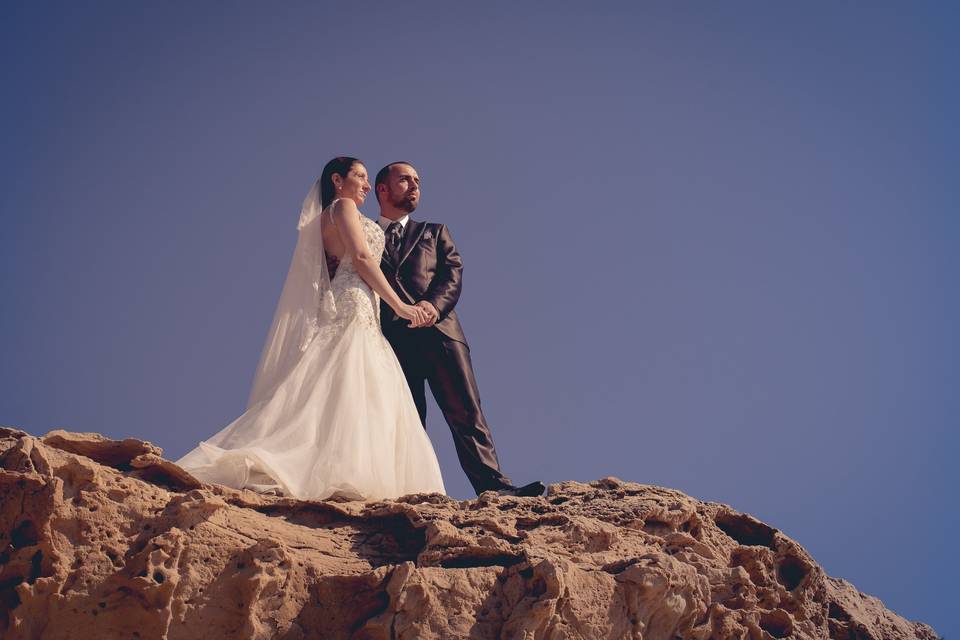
x=338, y=405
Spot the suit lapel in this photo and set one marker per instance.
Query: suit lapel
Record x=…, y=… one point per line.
x=410, y=239
x=386, y=259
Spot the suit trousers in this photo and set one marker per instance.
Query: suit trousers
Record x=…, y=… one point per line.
x=428, y=356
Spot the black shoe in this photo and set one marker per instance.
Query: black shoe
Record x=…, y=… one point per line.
x=531, y=490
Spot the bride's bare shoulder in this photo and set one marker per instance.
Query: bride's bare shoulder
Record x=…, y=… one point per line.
x=344, y=204
x=344, y=208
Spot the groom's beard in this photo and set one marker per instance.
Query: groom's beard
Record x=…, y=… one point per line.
x=404, y=203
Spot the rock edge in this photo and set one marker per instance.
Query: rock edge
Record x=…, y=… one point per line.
x=107, y=537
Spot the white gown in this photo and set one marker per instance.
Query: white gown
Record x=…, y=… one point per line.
x=341, y=422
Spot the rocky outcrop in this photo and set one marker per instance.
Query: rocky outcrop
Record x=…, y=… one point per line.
x=106, y=539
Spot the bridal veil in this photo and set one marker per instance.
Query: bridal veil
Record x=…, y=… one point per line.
x=306, y=302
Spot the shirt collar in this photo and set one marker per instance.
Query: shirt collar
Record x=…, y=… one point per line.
x=385, y=222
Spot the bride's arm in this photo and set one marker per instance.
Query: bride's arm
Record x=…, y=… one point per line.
x=346, y=219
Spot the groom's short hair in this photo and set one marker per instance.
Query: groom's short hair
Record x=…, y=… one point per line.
x=383, y=173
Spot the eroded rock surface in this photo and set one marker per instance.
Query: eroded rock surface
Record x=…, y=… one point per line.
x=106, y=539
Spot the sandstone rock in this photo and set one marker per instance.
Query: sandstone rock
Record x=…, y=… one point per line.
x=105, y=539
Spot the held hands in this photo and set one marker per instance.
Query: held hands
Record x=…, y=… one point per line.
x=415, y=314
x=421, y=315
x=432, y=314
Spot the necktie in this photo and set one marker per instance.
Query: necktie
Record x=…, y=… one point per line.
x=394, y=231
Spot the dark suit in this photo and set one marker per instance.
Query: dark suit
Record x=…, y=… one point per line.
x=429, y=268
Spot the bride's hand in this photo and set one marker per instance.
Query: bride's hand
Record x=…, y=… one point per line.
x=416, y=315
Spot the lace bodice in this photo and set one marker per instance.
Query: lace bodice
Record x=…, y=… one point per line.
x=354, y=299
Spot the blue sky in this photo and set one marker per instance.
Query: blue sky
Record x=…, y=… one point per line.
x=710, y=247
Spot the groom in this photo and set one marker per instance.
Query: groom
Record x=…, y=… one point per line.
x=421, y=263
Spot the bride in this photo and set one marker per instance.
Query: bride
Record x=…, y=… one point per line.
x=330, y=411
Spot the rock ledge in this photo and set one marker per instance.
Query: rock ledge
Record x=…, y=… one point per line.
x=105, y=539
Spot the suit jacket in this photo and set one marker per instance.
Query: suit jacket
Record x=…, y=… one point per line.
x=429, y=269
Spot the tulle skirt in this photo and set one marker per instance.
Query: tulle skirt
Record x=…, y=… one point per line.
x=342, y=422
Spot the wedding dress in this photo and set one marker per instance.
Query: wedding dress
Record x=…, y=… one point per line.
x=330, y=411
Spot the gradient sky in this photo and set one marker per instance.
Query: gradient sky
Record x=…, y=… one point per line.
x=709, y=246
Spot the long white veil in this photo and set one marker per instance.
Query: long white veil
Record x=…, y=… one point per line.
x=306, y=303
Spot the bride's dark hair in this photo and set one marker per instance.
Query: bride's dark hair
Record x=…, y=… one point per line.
x=341, y=166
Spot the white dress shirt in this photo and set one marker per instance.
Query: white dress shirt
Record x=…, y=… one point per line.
x=385, y=222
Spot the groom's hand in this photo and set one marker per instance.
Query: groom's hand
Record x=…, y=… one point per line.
x=431, y=311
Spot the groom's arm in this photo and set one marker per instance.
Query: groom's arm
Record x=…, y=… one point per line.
x=444, y=291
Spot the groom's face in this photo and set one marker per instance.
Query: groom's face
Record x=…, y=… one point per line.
x=403, y=187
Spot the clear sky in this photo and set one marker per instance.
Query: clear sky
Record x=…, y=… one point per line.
x=710, y=246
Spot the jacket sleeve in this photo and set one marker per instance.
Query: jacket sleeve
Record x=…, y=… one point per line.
x=444, y=291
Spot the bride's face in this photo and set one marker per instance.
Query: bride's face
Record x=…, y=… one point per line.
x=354, y=185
